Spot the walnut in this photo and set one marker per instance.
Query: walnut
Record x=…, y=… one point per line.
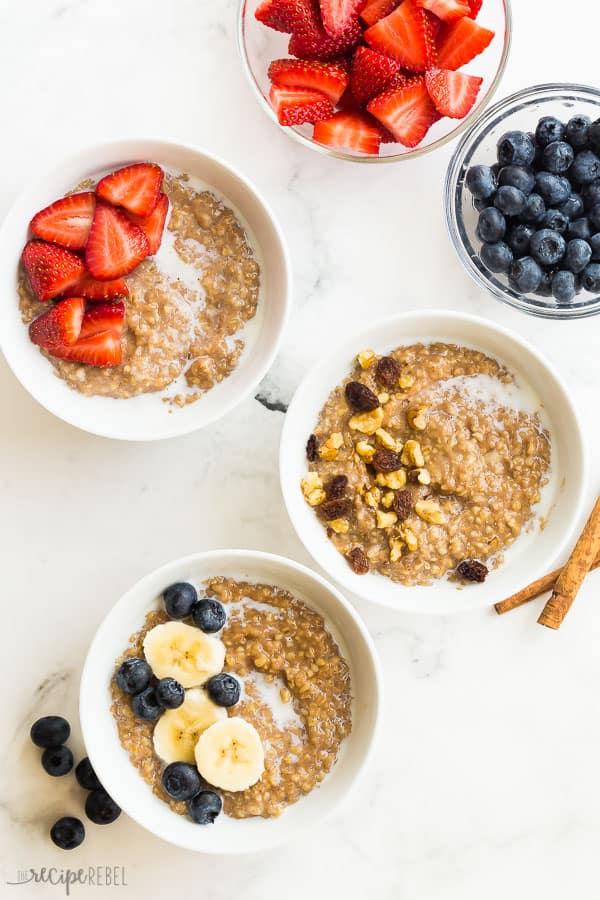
x=340, y=526
x=373, y=497
x=423, y=476
x=366, y=358
x=385, y=519
x=358, y=561
x=367, y=422
x=395, y=481
x=360, y=397
x=406, y=381
x=365, y=450
x=409, y=538
x=386, y=440
x=412, y=455
x=383, y=397
x=429, y=511
x=312, y=488
x=416, y=417
x=329, y=450
x=388, y=499
x=396, y=545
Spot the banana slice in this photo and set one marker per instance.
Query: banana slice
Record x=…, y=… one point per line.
x=183, y=652
x=177, y=731
x=230, y=755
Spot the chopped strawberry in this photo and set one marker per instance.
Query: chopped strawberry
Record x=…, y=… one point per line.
x=294, y=107
x=407, y=112
x=116, y=244
x=277, y=14
x=447, y=10
x=103, y=317
x=377, y=9
x=475, y=6
x=330, y=78
x=453, y=93
x=154, y=224
x=460, y=42
x=51, y=270
x=310, y=40
x=97, y=291
x=405, y=35
x=66, y=222
x=348, y=100
x=135, y=187
x=373, y=73
x=102, y=349
x=59, y=325
x=338, y=15
x=349, y=131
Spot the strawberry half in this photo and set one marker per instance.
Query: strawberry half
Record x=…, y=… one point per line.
x=277, y=14
x=446, y=10
x=295, y=107
x=97, y=291
x=475, y=6
x=51, y=270
x=66, y=222
x=338, y=15
x=135, y=187
x=349, y=131
x=330, y=79
x=310, y=40
x=59, y=325
x=103, y=317
x=408, y=113
x=453, y=93
x=378, y=9
x=102, y=349
x=116, y=245
x=373, y=73
x=404, y=35
x=460, y=42
x=154, y=224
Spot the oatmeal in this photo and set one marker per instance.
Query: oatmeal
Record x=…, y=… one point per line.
x=421, y=460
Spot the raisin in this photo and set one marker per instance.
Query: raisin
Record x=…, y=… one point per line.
x=336, y=488
x=403, y=504
x=387, y=371
x=358, y=561
x=335, y=509
x=387, y=461
x=311, y=448
x=360, y=397
x=472, y=570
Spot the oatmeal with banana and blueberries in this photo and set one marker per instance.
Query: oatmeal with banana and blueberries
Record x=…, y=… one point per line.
x=427, y=462
x=116, y=317
x=237, y=700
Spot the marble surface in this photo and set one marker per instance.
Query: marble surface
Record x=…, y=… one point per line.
x=485, y=782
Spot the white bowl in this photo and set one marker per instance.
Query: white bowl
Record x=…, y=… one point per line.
x=532, y=554
x=123, y=781
x=147, y=417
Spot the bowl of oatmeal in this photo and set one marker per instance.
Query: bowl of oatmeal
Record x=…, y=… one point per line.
x=305, y=715
x=204, y=315
x=433, y=463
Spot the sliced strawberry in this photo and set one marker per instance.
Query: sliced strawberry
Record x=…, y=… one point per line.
x=349, y=131
x=103, y=317
x=51, y=270
x=460, y=42
x=96, y=291
x=277, y=14
x=102, y=349
x=408, y=113
x=310, y=40
x=405, y=35
x=154, y=224
x=348, y=100
x=66, y=222
x=475, y=6
x=338, y=15
x=294, y=107
x=453, y=93
x=373, y=73
x=135, y=187
x=378, y=9
x=59, y=325
x=446, y=10
x=330, y=78
x=116, y=245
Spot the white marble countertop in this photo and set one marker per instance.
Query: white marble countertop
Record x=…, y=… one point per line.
x=486, y=782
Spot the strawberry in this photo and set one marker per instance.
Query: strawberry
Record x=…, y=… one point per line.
x=447, y=10
x=66, y=222
x=154, y=224
x=51, y=270
x=296, y=106
x=101, y=349
x=460, y=42
x=408, y=112
x=116, y=244
x=330, y=79
x=475, y=6
x=96, y=291
x=338, y=15
x=277, y=14
x=377, y=9
x=453, y=93
x=103, y=317
x=349, y=131
x=59, y=325
x=135, y=187
x=405, y=35
x=310, y=40
x=373, y=73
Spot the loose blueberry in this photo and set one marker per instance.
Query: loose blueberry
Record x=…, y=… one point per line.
x=553, y=188
x=133, y=675
x=179, y=599
x=594, y=218
x=223, y=689
x=50, y=731
x=591, y=194
x=68, y=833
x=586, y=167
x=517, y=176
x=544, y=289
x=594, y=243
x=557, y=157
x=209, y=615
x=516, y=148
x=100, y=808
x=549, y=130
x=555, y=220
x=510, y=200
x=181, y=781
x=146, y=705
x=594, y=136
x=591, y=278
x=525, y=275
x=563, y=287
x=205, y=807
x=534, y=209
x=483, y=204
x=57, y=761
x=518, y=239
x=481, y=181
x=577, y=256
x=579, y=228
x=576, y=132
x=496, y=257
x=491, y=225
x=169, y=693
x=572, y=208
x=547, y=247
x=85, y=775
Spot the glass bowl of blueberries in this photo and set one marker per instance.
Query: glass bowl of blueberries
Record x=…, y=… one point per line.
x=522, y=200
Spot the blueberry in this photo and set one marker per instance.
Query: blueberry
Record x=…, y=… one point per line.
x=525, y=274
x=209, y=615
x=510, y=200
x=516, y=148
x=578, y=255
x=146, y=705
x=549, y=130
x=483, y=204
x=100, y=808
x=579, y=228
x=544, y=289
x=85, y=775
x=576, y=132
x=169, y=693
x=557, y=157
x=181, y=781
x=586, y=167
x=552, y=188
x=496, y=257
x=591, y=194
x=563, y=287
x=179, y=599
x=534, y=209
x=205, y=807
x=518, y=240
x=594, y=217
x=50, y=731
x=547, y=247
x=594, y=243
x=133, y=675
x=491, y=225
x=517, y=176
x=555, y=220
x=68, y=833
x=57, y=760
x=591, y=278
x=481, y=181
x=573, y=206
x=594, y=136
x=223, y=689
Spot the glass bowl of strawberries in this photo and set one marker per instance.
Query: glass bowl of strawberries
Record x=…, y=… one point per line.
x=374, y=80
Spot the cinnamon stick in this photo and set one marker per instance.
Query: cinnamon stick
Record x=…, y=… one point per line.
x=571, y=578
x=533, y=590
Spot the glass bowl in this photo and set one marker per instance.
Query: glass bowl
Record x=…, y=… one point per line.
x=260, y=45
x=520, y=111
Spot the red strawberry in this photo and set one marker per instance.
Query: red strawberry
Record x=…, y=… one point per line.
x=96, y=291
x=116, y=244
x=349, y=131
x=475, y=6
x=277, y=14
x=453, y=93
x=102, y=349
x=59, y=325
x=447, y=10
x=405, y=35
x=310, y=40
x=135, y=187
x=66, y=222
x=330, y=79
x=460, y=42
x=103, y=317
x=338, y=15
x=51, y=270
x=377, y=9
x=373, y=73
x=154, y=224
x=407, y=112
x=294, y=107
